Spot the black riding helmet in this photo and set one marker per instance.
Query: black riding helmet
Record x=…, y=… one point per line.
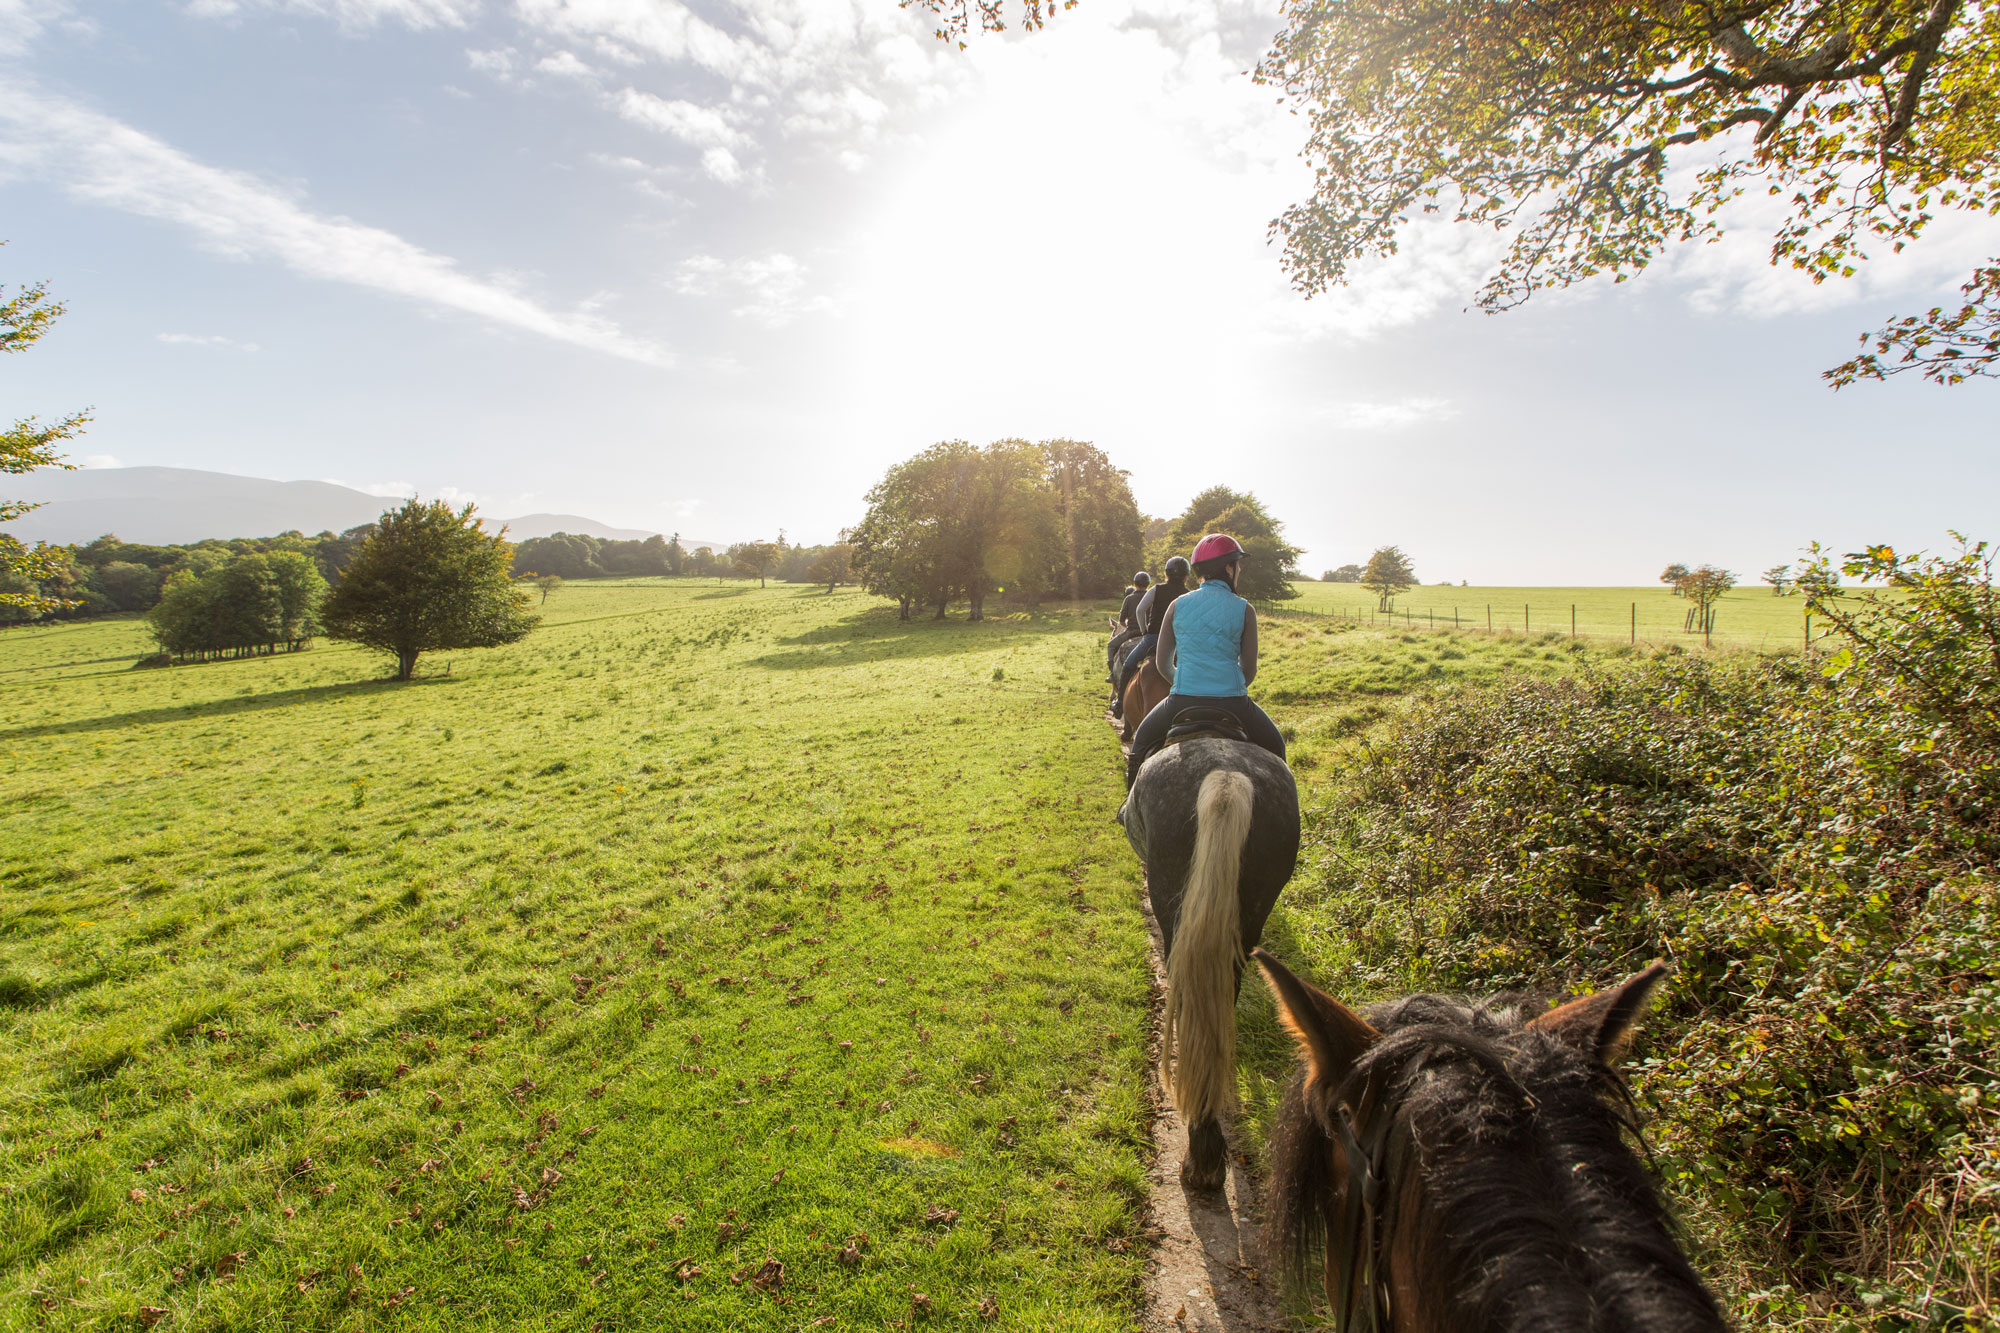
x=1177, y=568
x=1142, y=578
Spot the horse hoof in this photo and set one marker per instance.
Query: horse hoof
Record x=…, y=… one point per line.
x=1203, y=1179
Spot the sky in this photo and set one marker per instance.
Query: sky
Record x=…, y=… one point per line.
x=713, y=267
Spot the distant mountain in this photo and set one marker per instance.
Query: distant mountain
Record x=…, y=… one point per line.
x=166, y=506
x=541, y=525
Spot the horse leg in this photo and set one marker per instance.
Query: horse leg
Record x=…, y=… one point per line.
x=1206, y=1166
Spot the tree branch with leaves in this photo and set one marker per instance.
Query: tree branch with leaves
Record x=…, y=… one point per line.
x=1560, y=123
x=29, y=444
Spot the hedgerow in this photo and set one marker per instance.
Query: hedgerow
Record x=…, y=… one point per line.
x=1811, y=843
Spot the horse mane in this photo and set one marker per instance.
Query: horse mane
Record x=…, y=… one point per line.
x=1534, y=1212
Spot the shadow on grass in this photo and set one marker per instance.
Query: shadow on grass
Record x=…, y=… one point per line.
x=219, y=708
x=876, y=635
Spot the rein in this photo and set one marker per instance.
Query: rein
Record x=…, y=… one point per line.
x=1358, y=1270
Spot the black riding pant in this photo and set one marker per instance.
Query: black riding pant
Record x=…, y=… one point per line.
x=1257, y=725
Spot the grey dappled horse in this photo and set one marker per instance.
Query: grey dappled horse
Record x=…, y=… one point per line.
x=1216, y=823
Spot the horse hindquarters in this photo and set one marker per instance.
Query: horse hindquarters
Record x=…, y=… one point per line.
x=1198, y=1039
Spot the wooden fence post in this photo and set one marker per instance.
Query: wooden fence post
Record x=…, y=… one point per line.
x=1808, y=647
x=1635, y=624
x=1572, y=620
x=1524, y=617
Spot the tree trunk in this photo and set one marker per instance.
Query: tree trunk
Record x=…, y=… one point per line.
x=902, y=608
x=406, y=663
x=978, y=600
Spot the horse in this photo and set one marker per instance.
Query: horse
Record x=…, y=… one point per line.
x=1215, y=821
x=1144, y=690
x=1469, y=1166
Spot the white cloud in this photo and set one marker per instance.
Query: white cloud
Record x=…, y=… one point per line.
x=700, y=126
x=565, y=64
x=206, y=340
x=770, y=290
x=94, y=461
x=351, y=14
x=100, y=160
x=1391, y=415
x=455, y=497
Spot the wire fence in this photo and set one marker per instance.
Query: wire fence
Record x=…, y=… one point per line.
x=1767, y=628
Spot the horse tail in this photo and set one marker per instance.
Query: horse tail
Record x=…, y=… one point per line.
x=1198, y=1042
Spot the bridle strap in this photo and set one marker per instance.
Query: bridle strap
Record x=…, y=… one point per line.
x=1361, y=1286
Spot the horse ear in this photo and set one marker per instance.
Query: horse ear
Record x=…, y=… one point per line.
x=1601, y=1025
x=1331, y=1036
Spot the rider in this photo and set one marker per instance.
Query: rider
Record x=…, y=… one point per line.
x=1128, y=618
x=1152, y=614
x=1208, y=649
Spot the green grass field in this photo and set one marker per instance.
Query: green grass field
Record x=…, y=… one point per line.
x=714, y=958
x=1747, y=617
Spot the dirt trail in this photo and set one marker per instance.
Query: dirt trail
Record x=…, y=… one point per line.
x=1206, y=1270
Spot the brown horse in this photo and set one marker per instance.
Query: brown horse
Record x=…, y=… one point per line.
x=1146, y=688
x=1469, y=1167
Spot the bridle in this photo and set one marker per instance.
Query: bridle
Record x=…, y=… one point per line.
x=1361, y=1284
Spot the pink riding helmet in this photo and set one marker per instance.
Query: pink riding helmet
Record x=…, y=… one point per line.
x=1216, y=546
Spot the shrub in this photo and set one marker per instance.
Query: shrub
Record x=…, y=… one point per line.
x=1811, y=844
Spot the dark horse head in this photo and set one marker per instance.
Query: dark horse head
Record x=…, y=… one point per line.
x=1471, y=1167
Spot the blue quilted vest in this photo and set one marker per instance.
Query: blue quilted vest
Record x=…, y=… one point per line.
x=1208, y=639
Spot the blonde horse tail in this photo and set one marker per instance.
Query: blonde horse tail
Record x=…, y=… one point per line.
x=1198, y=1043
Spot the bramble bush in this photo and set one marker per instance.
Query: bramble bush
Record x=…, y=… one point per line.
x=1811, y=842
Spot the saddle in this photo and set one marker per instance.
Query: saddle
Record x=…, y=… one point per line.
x=1204, y=724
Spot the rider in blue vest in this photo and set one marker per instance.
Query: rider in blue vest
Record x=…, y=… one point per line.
x=1208, y=649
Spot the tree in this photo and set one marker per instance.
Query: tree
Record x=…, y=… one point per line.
x=1672, y=576
x=1565, y=125
x=1704, y=587
x=676, y=557
x=1270, y=562
x=25, y=446
x=1096, y=519
x=1779, y=577
x=429, y=578
x=755, y=558
x=1389, y=572
x=1345, y=574
x=834, y=566
x=548, y=583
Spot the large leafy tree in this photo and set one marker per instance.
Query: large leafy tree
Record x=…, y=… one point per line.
x=1098, y=521
x=1597, y=134
x=429, y=577
x=1270, y=562
x=28, y=444
x=1027, y=519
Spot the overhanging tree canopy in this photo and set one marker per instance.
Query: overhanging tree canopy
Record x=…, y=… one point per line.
x=1558, y=121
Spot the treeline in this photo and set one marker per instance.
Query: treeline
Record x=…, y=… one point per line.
x=109, y=575
x=571, y=555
